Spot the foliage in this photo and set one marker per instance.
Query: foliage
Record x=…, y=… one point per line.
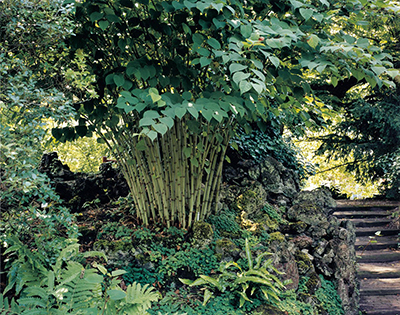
x=224, y=223
x=167, y=102
x=193, y=260
x=367, y=134
x=242, y=282
x=183, y=301
x=258, y=145
x=329, y=298
x=68, y=287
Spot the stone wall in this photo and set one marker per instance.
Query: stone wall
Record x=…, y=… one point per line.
x=310, y=241
x=77, y=188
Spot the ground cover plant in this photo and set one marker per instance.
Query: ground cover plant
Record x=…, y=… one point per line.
x=165, y=85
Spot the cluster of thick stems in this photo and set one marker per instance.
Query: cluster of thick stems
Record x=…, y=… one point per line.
x=175, y=180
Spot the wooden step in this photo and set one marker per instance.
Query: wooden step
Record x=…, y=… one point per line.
x=363, y=209
x=380, y=305
x=378, y=270
x=373, y=256
x=367, y=243
x=379, y=222
x=361, y=214
x=371, y=231
x=379, y=286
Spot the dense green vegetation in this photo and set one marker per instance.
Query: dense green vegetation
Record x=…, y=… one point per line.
x=169, y=87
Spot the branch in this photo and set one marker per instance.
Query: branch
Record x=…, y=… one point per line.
x=340, y=89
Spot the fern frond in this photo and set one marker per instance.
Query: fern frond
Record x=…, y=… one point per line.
x=32, y=302
x=72, y=271
x=36, y=291
x=136, y=294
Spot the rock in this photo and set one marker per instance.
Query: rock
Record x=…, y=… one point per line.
x=284, y=261
x=202, y=234
x=77, y=188
x=226, y=250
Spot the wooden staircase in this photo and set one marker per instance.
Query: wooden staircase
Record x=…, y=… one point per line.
x=378, y=256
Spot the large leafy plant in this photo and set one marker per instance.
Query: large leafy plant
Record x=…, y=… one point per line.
x=174, y=78
x=70, y=287
x=260, y=276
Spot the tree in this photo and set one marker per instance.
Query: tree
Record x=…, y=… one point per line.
x=366, y=139
x=175, y=78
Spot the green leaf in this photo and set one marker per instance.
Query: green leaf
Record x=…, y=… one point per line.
x=378, y=69
x=204, y=61
x=213, y=282
x=94, y=278
x=151, y=114
x=146, y=122
x=246, y=30
x=306, y=13
x=245, y=86
x=214, y=43
x=155, y=97
x=160, y=128
x=234, y=67
x=240, y=76
x=168, y=121
x=119, y=80
x=117, y=273
x=104, y=24
x=152, y=135
x=207, y=296
x=313, y=41
x=274, y=60
x=180, y=112
x=116, y=295
x=95, y=16
x=186, y=281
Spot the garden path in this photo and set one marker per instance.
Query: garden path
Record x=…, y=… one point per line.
x=378, y=256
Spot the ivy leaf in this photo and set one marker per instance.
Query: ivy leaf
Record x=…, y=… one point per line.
x=214, y=43
x=180, y=112
x=204, y=61
x=168, y=121
x=155, y=97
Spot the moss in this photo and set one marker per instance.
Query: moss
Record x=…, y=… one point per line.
x=304, y=263
x=225, y=247
x=244, y=199
x=277, y=236
x=298, y=227
x=313, y=283
x=202, y=234
x=202, y=231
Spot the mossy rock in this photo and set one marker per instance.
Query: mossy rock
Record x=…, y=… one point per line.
x=276, y=236
x=202, y=234
x=313, y=283
x=112, y=246
x=251, y=200
x=226, y=250
x=304, y=263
